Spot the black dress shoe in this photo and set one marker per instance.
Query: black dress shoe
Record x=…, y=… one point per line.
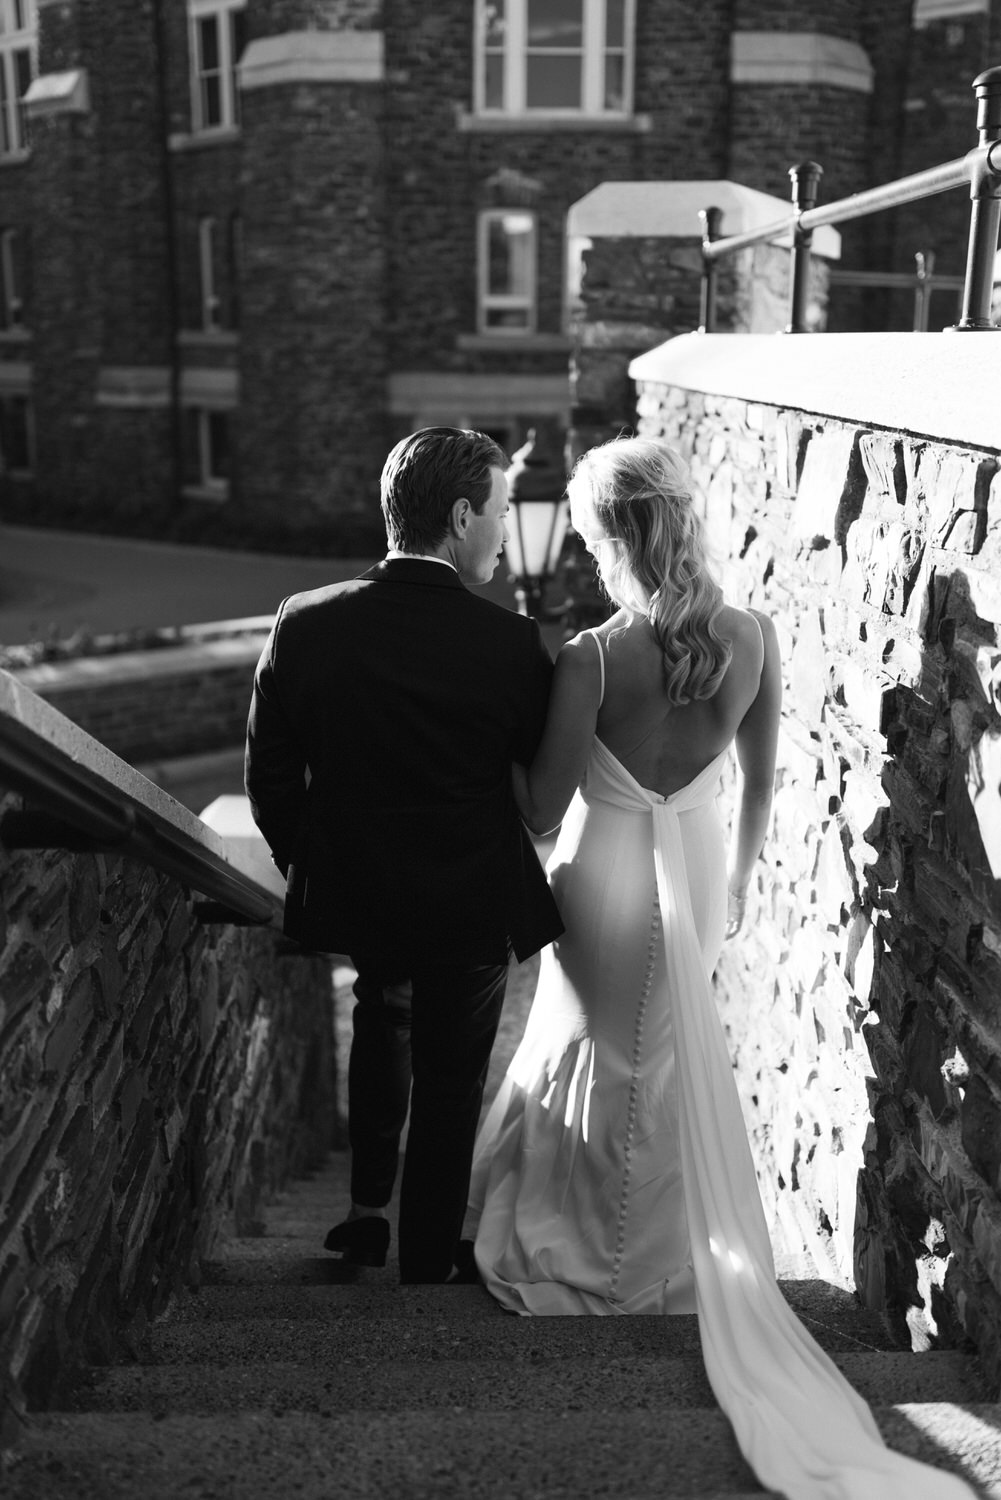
x=364, y=1242
x=466, y=1272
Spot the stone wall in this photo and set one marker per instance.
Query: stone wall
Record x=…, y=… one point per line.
x=158, y=1077
x=151, y=705
x=861, y=999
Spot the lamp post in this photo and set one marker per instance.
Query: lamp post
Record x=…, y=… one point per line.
x=539, y=518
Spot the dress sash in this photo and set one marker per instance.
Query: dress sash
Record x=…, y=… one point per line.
x=802, y=1428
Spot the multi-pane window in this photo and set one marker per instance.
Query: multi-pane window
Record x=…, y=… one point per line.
x=507, y=254
x=18, y=66
x=218, y=37
x=11, y=306
x=557, y=56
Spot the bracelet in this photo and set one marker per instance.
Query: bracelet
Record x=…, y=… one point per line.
x=741, y=899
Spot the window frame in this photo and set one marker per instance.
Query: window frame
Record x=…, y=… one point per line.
x=211, y=306
x=223, y=12
x=12, y=471
x=515, y=53
x=210, y=484
x=16, y=41
x=488, y=300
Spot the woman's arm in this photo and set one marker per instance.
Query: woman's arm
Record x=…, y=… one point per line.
x=543, y=790
x=756, y=742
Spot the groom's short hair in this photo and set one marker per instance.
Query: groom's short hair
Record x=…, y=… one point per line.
x=426, y=473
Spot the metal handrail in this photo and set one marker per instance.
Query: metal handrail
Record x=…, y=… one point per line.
x=75, y=805
x=981, y=168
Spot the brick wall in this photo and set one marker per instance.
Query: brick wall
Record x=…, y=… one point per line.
x=159, y=1077
x=861, y=1000
x=359, y=210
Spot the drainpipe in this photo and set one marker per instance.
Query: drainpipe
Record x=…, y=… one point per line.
x=173, y=297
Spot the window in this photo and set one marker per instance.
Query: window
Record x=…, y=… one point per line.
x=206, y=267
x=554, y=56
x=18, y=66
x=208, y=465
x=17, y=435
x=218, y=37
x=11, y=307
x=507, y=271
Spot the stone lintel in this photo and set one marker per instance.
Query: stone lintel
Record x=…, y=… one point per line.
x=313, y=57
x=58, y=94
x=149, y=386
x=799, y=57
x=216, y=388
x=15, y=377
x=926, y=11
x=670, y=210
x=133, y=386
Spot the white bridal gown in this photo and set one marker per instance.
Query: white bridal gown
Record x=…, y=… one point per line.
x=613, y=1173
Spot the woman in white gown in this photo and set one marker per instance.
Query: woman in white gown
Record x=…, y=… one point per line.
x=612, y=1173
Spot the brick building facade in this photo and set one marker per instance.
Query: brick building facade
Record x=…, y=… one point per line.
x=245, y=244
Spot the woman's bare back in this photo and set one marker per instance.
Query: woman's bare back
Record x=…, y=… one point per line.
x=661, y=745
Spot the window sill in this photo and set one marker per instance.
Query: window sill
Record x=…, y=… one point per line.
x=202, y=140
x=208, y=338
x=512, y=343
x=14, y=338
x=215, y=495
x=15, y=158
x=548, y=121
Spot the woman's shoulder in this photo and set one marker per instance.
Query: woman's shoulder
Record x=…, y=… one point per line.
x=749, y=628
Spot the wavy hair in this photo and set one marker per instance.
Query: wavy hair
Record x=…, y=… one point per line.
x=640, y=494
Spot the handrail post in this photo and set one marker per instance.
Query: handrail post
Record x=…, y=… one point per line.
x=805, y=186
x=712, y=221
x=923, y=277
x=985, y=209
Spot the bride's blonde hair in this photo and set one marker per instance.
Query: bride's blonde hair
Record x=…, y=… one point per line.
x=640, y=494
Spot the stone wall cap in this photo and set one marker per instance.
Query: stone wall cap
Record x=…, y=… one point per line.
x=58, y=94
x=933, y=385
x=137, y=666
x=94, y=765
x=653, y=210
x=802, y=58
x=313, y=57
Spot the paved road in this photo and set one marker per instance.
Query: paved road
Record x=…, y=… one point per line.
x=54, y=583
x=59, y=582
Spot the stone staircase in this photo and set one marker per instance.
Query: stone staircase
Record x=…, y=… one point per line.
x=289, y=1374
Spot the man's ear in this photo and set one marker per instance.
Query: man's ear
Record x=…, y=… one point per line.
x=459, y=516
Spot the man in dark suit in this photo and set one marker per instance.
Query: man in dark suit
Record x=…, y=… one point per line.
x=386, y=714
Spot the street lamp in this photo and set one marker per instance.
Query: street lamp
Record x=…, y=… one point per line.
x=539, y=517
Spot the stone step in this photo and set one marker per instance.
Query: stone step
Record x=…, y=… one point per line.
x=458, y=1455
x=234, y=1335
x=831, y=1315
x=321, y=1381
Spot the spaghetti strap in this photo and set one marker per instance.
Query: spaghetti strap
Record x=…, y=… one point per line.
x=601, y=663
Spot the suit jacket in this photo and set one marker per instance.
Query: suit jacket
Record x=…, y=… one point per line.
x=386, y=713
